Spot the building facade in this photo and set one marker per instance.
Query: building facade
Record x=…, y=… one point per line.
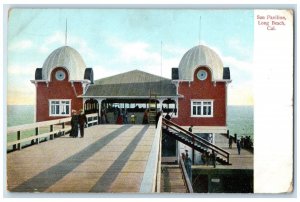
x=60, y=84
x=195, y=95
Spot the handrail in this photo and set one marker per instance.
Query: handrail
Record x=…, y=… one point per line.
x=29, y=126
x=185, y=176
x=201, y=140
x=151, y=179
x=35, y=136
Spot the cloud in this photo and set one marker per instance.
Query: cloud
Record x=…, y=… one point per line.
x=143, y=56
x=102, y=71
x=133, y=51
x=23, y=70
x=18, y=97
x=20, y=45
x=58, y=39
x=20, y=91
x=241, y=65
x=241, y=94
x=237, y=46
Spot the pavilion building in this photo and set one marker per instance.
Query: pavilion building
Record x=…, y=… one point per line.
x=195, y=95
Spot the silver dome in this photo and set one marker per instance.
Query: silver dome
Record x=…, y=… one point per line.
x=68, y=58
x=200, y=56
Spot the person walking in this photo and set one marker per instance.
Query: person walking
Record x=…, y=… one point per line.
x=125, y=117
x=238, y=145
x=145, y=117
x=188, y=165
x=214, y=158
x=82, y=122
x=230, y=142
x=132, y=118
x=74, y=124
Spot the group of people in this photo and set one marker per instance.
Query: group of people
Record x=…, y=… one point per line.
x=121, y=116
x=78, y=122
x=240, y=143
x=207, y=158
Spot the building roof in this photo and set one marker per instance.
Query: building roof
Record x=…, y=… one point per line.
x=68, y=58
x=133, y=83
x=200, y=56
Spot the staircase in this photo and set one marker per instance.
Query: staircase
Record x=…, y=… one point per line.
x=172, y=179
x=152, y=108
x=199, y=144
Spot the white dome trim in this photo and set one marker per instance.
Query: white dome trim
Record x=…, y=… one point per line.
x=200, y=56
x=68, y=58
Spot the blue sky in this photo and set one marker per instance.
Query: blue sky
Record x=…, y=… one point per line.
x=118, y=40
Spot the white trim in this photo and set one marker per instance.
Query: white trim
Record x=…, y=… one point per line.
x=129, y=97
x=59, y=100
x=208, y=129
x=202, y=100
x=46, y=81
x=81, y=81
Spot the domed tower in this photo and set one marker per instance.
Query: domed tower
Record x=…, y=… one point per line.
x=201, y=82
x=60, y=83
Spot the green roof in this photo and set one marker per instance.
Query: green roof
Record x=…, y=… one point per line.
x=134, y=83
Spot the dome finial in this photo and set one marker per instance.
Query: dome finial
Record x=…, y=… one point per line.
x=66, y=33
x=200, y=30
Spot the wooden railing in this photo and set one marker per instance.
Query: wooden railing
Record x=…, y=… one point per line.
x=92, y=119
x=194, y=138
x=152, y=175
x=185, y=176
x=34, y=134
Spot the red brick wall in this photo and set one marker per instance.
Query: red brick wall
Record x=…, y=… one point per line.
x=56, y=90
x=202, y=90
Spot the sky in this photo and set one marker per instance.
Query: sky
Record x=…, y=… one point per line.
x=113, y=41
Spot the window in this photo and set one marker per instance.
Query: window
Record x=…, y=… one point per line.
x=202, y=108
x=59, y=107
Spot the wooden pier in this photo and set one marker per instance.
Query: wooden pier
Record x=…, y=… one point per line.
x=110, y=158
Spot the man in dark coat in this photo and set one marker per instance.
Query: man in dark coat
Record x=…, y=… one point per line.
x=74, y=124
x=238, y=146
x=82, y=121
x=157, y=118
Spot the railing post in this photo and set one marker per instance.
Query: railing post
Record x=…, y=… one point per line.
x=63, y=126
x=51, y=130
x=19, y=138
x=36, y=134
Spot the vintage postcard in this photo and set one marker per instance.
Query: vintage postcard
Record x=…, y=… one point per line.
x=148, y=100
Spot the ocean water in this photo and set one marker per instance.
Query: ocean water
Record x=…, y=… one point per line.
x=239, y=119
x=19, y=114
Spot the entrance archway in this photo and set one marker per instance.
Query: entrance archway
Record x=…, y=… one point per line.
x=91, y=106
